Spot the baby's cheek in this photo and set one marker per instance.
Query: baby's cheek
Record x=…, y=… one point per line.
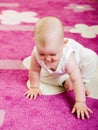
x=41, y=57
x=57, y=58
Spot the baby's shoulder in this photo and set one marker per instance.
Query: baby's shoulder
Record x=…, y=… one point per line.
x=70, y=40
x=73, y=43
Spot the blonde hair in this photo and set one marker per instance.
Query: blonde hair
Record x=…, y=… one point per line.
x=48, y=27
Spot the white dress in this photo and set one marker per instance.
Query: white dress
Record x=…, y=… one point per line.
x=86, y=58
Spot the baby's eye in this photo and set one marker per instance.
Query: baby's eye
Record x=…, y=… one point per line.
x=53, y=54
x=41, y=54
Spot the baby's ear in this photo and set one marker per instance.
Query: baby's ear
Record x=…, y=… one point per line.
x=65, y=41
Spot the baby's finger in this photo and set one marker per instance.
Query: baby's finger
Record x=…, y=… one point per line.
x=89, y=110
x=82, y=114
x=40, y=93
x=87, y=114
x=31, y=96
x=27, y=95
x=78, y=113
x=73, y=110
x=34, y=96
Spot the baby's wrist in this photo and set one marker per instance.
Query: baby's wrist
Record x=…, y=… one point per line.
x=31, y=87
x=80, y=101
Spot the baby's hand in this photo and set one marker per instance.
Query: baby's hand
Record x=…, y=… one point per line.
x=81, y=110
x=33, y=93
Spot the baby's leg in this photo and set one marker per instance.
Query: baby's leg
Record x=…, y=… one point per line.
x=87, y=65
x=69, y=87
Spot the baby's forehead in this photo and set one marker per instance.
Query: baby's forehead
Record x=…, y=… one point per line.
x=48, y=25
x=48, y=51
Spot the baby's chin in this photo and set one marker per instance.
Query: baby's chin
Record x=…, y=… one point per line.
x=52, y=64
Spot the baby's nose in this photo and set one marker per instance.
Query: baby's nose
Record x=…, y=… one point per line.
x=48, y=58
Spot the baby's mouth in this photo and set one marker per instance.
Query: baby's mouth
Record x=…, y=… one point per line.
x=52, y=69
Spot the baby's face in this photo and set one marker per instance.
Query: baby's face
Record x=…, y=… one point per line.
x=51, y=52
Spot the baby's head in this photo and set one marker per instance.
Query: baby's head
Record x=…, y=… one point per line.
x=49, y=35
x=49, y=30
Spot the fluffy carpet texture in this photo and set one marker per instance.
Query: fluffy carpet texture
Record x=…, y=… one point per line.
x=48, y=112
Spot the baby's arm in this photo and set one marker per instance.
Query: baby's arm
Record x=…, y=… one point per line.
x=78, y=87
x=34, y=77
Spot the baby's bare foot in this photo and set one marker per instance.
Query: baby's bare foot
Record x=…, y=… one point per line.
x=68, y=85
x=87, y=93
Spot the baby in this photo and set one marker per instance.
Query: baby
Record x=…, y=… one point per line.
x=71, y=64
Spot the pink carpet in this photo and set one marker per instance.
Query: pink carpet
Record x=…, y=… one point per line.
x=17, y=18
